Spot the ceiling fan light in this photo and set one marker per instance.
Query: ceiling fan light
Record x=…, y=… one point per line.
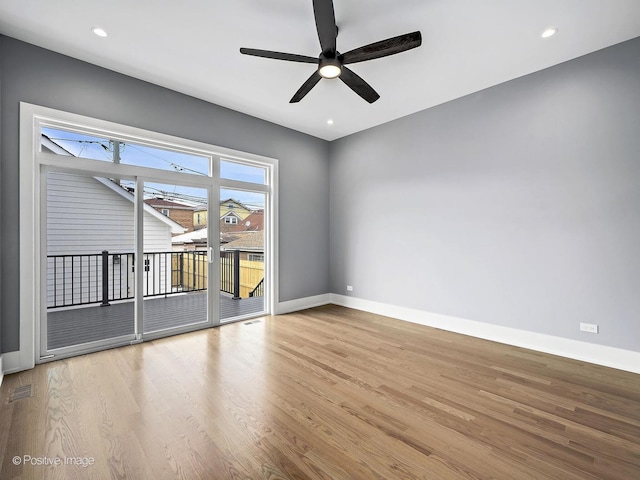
x=329, y=68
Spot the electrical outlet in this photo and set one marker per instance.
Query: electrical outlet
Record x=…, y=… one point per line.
x=588, y=327
x=349, y=288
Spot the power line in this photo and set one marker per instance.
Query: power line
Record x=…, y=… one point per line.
x=107, y=148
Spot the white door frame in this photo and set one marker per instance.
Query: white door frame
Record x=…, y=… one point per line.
x=31, y=160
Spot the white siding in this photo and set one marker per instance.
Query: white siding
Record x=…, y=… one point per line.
x=84, y=217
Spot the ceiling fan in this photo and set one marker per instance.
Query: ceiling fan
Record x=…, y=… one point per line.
x=331, y=63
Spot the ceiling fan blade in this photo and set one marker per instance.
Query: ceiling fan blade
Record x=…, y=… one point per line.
x=358, y=85
x=383, y=48
x=326, y=25
x=306, y=87
x=291, y=57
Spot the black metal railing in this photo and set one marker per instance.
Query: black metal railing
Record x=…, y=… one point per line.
x=174, y=272
x=230, y=272
x=80, y=279
x=259, y=290
x=106, y=277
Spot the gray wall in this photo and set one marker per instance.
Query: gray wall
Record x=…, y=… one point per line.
x=517, y=206
x=1, y=40
x=34, y=75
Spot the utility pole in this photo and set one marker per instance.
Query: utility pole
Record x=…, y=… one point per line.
x=115, y=147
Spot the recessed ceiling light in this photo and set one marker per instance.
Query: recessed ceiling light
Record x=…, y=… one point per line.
x=100, y=32
x=330, y=122
x=549, y=32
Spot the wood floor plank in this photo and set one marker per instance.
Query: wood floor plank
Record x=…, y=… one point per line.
x=325, y=394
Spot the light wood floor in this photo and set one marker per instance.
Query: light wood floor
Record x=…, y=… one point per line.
x=328, y=393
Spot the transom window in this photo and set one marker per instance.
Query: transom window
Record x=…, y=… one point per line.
x=92, y=147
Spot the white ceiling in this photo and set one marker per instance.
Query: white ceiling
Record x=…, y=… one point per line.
x=193, y=47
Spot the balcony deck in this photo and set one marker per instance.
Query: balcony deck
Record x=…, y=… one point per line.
x=93, y=323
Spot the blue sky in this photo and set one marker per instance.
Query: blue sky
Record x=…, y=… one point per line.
x=97, y=148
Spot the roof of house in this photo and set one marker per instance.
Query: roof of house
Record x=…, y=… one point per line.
x=200, y=236
x=53, y=146
x=252, y=223
x=162, y=203
x=197, y=236
x=247, y=241
x=223, y=202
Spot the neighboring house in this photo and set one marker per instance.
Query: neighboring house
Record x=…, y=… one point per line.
x=200, y=217
x=232, y=212
x=89, y=215
x=252, y=223
x=195, y=240
x=250, y=244
x=178, y=212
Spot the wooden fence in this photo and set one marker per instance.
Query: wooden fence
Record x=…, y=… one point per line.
x=189, y=271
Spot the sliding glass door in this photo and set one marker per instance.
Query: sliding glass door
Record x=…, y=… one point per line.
x=242, y=253
x=140, y=239
x=176, y=269
x=244, y=226
x=88, y=248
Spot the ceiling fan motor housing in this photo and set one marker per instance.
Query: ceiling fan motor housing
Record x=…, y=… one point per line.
x=329, y=67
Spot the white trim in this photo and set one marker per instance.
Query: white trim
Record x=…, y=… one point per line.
x=139, y=260
x=302, y=303
x=1, y=371
x=587, y=352
x=125, y=133
x=10, y=363
x=29, y=202
x=272, y=251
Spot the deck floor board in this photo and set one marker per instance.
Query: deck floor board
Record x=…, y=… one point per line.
x=94, y=323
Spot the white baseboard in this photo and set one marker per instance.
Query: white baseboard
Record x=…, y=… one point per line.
x=587, y=352
x=9, y=363
x=302, y=303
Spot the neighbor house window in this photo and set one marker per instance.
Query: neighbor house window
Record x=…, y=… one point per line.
x=165, y=212
x=256, y=257
x=231, y=220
